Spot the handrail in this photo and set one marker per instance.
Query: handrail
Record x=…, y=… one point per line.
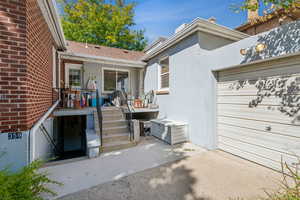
x=48, y=137
x=125, y=96
x=100, y=117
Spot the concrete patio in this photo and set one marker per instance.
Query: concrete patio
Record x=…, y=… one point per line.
x=213, y=175
x=83, y=173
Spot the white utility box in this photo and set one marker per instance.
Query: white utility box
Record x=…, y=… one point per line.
x=172, y=132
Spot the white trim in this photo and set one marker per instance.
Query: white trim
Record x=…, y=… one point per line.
x=259, y=61
x=103, y=60
x=165, y=89
x=69, y=66
x=115, y=69
x=53, y=21
x=196, y=25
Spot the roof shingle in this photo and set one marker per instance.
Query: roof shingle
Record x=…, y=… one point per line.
x=97, y=50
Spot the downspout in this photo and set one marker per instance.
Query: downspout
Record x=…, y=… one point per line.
x=31, y=138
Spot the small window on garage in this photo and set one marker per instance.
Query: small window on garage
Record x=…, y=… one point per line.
x=164, y=74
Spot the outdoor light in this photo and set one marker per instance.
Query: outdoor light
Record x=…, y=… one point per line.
x=243, y=51
x=260, y=47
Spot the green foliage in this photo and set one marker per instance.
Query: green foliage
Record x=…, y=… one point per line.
x=289, y=185
x=27, y=184
x=102, y=23
x=269, y=5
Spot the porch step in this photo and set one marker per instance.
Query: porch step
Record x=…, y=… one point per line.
x=112, y=112
x=115, y=146
x=115, y=130
x=114, y=123
x=110, y=117
x=115, y=137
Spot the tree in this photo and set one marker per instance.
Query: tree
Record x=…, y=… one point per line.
x=271, y=7
x=102, y=23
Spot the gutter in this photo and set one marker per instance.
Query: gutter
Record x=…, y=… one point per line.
x=196, y=25
x=53, y=21
x=102, y=59
x=31, y=139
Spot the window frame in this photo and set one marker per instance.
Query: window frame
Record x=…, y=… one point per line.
x=163, y=90
x=116, y=70
x=67, y=75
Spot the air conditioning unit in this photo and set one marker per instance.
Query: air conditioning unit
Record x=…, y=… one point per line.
x=172, y=132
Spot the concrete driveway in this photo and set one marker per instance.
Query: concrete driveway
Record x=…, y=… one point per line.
x=213, y=175
x=84, y=173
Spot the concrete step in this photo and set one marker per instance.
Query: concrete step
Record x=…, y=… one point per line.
x=115, y=130
x=112, y=117
x=115, y=137
x=110, y=108
x=115, y=146
x=112, y=112
x=114, y=123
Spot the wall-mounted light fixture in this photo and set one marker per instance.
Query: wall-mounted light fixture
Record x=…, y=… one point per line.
x=260, y=47
x=243, y=51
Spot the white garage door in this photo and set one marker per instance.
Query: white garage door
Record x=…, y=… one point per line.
x=258, y=112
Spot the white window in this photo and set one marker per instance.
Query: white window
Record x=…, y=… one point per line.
x=115, y=79
x=73, y=77
x=54, y=71
x=164, y=74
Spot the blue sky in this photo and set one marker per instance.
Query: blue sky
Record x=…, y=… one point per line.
x=162, y=17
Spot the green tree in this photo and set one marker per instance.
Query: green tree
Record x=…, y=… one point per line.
x=269, y=6
x=103, y=23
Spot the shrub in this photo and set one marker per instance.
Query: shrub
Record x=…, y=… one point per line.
x=27, y=184
x=290, y=185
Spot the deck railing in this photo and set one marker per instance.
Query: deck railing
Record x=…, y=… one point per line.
x=78, y=99
x=124, y=101
x=100, y=117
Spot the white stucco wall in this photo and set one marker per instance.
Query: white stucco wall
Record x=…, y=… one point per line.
x=192, y=97
x=43, y=149
x=14, y=153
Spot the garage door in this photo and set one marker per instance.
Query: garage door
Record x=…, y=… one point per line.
x=258, y=112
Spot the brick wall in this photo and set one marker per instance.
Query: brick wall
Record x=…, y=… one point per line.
x=12, y=64
x=265, y=26
x=25, y=65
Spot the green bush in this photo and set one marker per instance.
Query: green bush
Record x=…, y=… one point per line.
x=27, y=184
x=290, y=185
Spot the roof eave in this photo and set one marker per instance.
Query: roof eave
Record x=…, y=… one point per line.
x=198, y=25
x=102, y=59
x=51, y=16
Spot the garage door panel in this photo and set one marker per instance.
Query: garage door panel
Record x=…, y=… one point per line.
x=251, y=156
x=276, y=128
x=254, y=75
x=261, y=113
x=262, y=152
x=246, y=100
x=265, y=130
x=276, y=142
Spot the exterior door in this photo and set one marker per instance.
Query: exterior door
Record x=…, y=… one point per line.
x=259, y=112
